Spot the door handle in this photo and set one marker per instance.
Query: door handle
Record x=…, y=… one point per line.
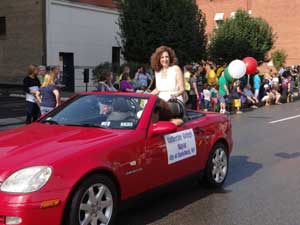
x=199, y=130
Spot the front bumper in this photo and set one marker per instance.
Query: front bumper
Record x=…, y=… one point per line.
x=31, y=212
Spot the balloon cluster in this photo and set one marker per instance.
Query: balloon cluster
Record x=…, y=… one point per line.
x=238, y=68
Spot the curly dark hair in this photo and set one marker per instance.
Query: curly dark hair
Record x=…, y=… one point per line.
x=155, y=58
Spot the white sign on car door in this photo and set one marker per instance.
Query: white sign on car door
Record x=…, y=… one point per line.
x=180, y=145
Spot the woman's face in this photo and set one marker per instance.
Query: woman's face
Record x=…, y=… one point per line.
x=109, y=77
x=165, y=59
x=36, y=71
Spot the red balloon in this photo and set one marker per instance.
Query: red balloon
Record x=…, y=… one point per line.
x=251, y=65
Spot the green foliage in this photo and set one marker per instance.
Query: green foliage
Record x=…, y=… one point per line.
x=101, y=69
x=241, y=36
x=148, y=24
x=278, y=57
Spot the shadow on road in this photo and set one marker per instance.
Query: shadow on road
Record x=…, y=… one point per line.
x=153, y=207
x=240, y=168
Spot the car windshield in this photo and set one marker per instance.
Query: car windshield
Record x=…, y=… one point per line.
x=100, y=110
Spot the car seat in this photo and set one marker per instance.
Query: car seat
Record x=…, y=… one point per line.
x=120, y=110
x=178, y=109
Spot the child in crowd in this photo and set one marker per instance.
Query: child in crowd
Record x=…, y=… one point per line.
x=207, y=97
x=236, y=96
x=214, y=97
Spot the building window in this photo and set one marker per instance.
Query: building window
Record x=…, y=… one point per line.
x=2, y=25
x=219, y=18
x=232, y=15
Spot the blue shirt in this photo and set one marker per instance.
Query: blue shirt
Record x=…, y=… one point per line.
x=48, y=97
x=143, y=78
x=256, y=82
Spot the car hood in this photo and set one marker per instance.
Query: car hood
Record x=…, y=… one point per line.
x=44, y=144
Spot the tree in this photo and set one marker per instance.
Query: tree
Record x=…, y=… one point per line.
x=278, y=58
x=148, y=24
x=241, y=36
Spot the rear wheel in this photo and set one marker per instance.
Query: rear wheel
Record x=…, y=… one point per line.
x=94, y=202
x=217, y=166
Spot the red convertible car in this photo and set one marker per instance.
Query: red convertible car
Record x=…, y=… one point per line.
x=77, y=163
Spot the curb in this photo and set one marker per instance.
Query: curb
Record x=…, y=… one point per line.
x=23, y=96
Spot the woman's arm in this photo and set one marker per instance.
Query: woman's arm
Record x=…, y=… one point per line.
x=179, y=79
x=226, y=88
x=196, y=89
x=136, y=75
x=155, y=92
x=38, y=97
x=57, y=97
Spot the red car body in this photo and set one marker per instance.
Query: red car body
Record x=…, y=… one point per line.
x=135, y=159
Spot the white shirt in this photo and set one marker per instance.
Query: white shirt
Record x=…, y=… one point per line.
x=206, y=94
x=167, y=86
x=30, y=97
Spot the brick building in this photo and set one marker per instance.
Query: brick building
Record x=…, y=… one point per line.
x=21, y=37
x=74, y=34
x=282, y=15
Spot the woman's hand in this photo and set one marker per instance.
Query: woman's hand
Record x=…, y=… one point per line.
x=155, y=92
x=173, y=96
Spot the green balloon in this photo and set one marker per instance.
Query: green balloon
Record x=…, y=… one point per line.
x=227, y=75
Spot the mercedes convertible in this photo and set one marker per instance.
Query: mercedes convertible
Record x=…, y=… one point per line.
x=75, y=165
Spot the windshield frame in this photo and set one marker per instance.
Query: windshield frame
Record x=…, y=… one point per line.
x=54, y=112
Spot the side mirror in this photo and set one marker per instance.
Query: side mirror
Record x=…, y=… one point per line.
x=163, y=127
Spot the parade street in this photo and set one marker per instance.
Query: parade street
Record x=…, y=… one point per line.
x=263, y=184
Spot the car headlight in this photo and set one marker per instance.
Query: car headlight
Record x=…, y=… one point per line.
x=27, y=180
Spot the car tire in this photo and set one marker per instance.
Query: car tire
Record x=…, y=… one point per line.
x=94, y=200
x=216, y=169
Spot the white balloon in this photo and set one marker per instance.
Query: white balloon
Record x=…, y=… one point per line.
x=237, y=69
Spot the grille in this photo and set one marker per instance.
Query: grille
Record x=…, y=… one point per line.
x=2, y=220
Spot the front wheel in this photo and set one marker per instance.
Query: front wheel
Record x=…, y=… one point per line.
x=94, y=202
x=217, y=166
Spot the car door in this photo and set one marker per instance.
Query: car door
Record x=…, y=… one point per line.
x=170, y=156
x=190, y=148
x=156, y=159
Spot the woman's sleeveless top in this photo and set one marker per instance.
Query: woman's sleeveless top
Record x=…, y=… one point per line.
x=167, y=85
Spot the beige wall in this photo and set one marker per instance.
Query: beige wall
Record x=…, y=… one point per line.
x=23, y=43
x=282, y=15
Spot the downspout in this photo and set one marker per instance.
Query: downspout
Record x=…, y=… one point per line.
x=44, y=24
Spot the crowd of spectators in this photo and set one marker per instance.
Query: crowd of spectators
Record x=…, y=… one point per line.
x=209, y=90
x=260, y=89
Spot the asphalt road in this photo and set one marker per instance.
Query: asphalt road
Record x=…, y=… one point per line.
x=263, y=185
x=12, y=112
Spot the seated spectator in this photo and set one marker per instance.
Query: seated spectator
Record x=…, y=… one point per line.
x=250, y=96
x=125, y=85
x=275, y=80
x=267, y=95
x=275, y=95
